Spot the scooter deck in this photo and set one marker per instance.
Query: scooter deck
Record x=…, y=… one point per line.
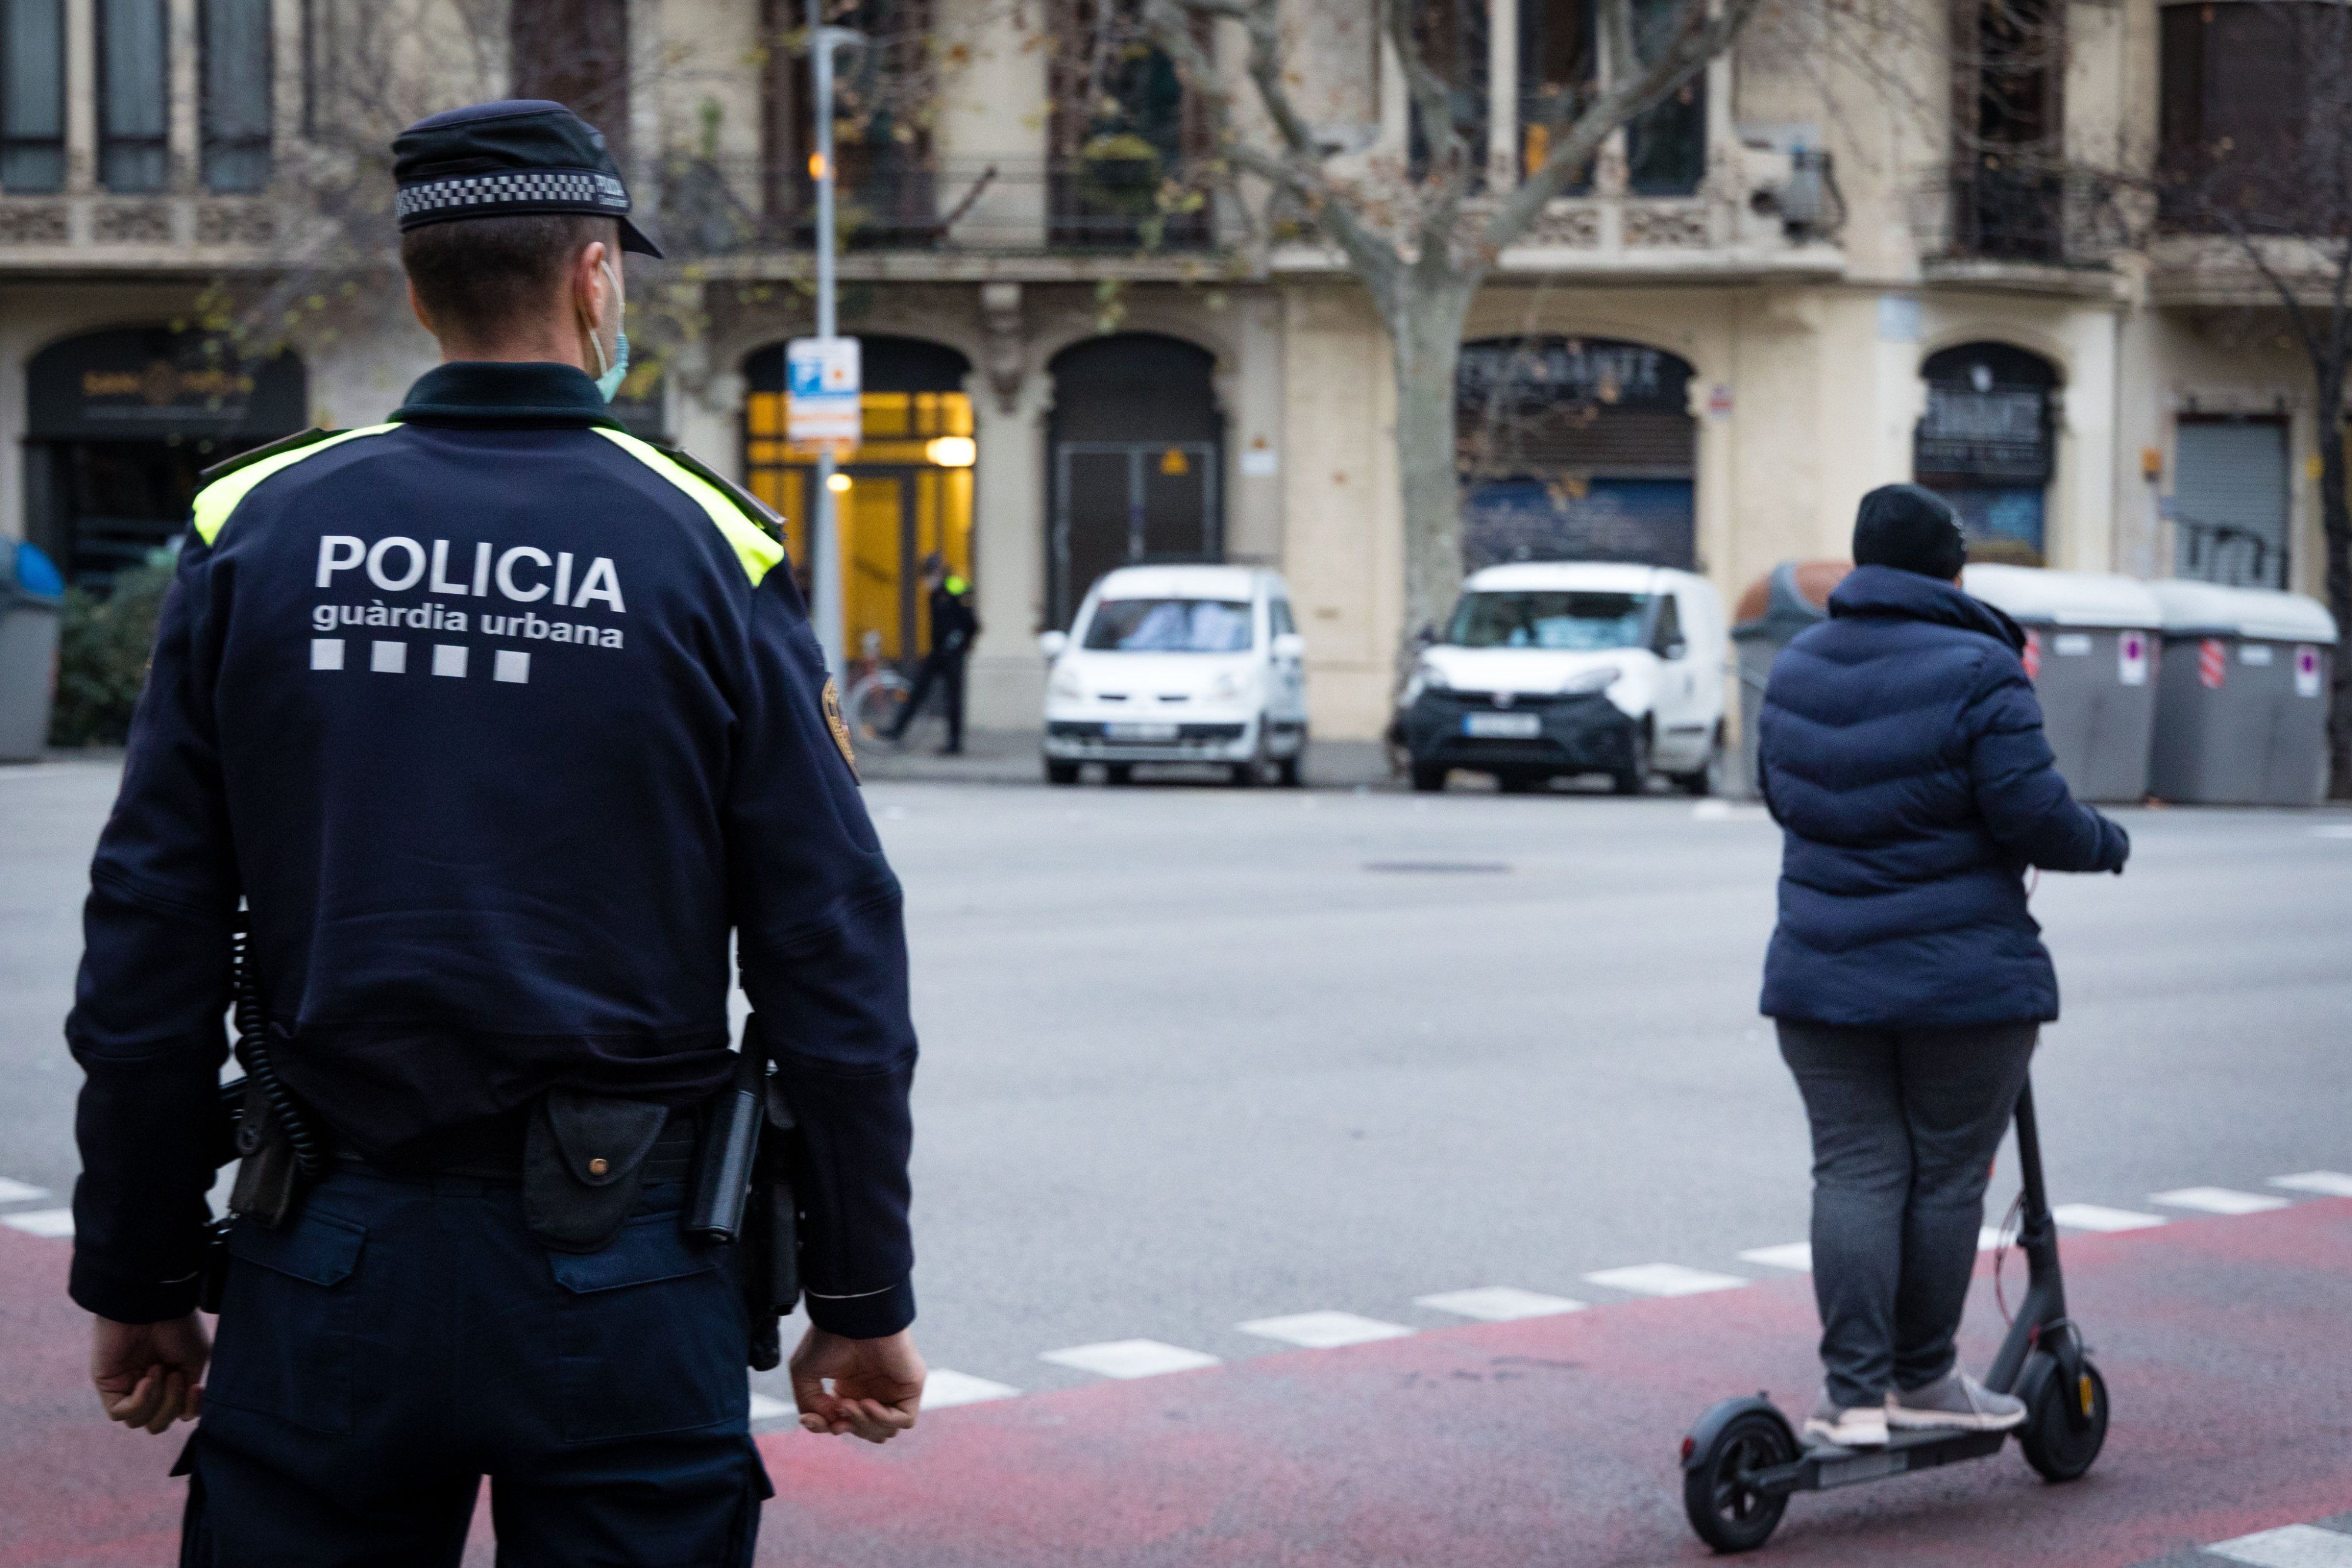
x=1826, y=1465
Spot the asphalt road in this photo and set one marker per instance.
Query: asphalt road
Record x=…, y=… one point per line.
x=1196, y=1057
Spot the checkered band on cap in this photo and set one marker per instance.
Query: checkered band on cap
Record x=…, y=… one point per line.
x=521, y=190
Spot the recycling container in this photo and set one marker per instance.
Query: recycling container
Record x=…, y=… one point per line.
x=31, y=595
x=2241, y=696
x=1792, y=596
x=2092, y=651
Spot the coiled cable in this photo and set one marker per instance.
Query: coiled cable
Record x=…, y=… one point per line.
x=251, y=1049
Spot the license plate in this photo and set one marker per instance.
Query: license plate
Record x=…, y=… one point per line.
x=1140, y=732
x=1502, y=725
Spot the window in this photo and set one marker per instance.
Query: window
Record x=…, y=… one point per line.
x=1556, y=77
x=235, y=58
x=2008, y=202
x=576, y=52
x=884, y=93
x=2252, y=126
x=1666, y=148
x=1452, y=36
x=1170, y=626
x=1558, y=621
x=1666, y=636
x=1124, y=132
x=32, y=95
x=133, y=96
x=1278, y=621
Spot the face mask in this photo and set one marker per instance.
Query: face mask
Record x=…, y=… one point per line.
x=609, y=382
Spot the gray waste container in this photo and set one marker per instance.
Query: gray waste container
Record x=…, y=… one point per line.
x=2091, y=649
x=2241, y=698
x=1792, y=596
x=30, y=596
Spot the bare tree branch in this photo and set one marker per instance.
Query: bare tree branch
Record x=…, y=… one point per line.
x=1299, y=166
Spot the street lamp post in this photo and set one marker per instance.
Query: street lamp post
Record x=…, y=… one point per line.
x=824, y=533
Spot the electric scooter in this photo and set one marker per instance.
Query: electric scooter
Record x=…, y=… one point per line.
x=1742, y=1460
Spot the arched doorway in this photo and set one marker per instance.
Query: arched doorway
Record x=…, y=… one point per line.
x=1988, y=445
x=909, y=485
x=1137, y=447
x=1575, y=449
x=120, y=422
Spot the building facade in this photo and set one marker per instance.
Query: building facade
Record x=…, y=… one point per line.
x=1814, y=271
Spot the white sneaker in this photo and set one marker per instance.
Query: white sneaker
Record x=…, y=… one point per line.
x=1954, y=1402
x=1847, y=1426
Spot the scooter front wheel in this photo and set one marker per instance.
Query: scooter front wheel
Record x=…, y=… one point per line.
x=2065, y=1419
x=1720, y=1492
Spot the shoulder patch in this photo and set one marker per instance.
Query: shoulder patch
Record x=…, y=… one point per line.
x=237, y=476
x=839, y=724
x=745, y=527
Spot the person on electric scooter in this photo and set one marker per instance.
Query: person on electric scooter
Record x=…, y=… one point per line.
x=1901, y=751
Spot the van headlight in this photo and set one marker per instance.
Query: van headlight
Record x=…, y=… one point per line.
x=1585, y=682
x=1066, y=683
x=1426, y=677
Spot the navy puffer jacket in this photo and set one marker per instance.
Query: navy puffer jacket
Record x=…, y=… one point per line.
x=1901, y=751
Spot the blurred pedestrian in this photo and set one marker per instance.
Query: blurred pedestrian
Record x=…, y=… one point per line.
x=953, y=626
x=506, y=811
x=1901, y=751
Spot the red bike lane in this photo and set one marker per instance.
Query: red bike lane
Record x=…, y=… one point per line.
x=2224, y=1342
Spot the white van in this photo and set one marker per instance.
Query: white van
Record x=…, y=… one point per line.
x=1178, y=664
x=1555, y=668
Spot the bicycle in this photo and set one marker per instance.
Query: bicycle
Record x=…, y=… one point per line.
x=876, y=701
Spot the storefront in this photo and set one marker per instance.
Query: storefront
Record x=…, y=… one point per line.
x=119, y=425
x=1988, y=445
x=907, y=493
x=1137, y=443
x=1575, y=449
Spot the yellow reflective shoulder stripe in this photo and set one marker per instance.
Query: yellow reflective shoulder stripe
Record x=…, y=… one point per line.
x=754, y=547
x=216, y=500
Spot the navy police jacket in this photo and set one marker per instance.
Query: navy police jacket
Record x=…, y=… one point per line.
x=502, y=722
x=1901, y=752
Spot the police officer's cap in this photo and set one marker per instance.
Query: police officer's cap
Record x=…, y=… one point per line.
x=500, y=160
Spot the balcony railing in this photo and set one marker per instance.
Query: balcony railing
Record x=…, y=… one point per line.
x=1988, y=211
x=989, y=205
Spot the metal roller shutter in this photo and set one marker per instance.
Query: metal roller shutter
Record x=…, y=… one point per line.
x=2229, y=501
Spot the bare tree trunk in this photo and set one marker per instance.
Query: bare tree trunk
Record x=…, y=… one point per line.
x=2335, y=531
x=1426, y=333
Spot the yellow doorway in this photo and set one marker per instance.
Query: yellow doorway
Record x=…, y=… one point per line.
x=909, y=495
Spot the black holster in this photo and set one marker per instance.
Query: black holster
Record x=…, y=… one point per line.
x=770, y=1259
x=268, y=1176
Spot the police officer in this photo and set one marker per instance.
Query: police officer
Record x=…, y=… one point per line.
x=499, y=722
x=953, y=626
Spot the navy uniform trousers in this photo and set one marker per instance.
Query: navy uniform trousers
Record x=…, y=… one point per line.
x=402, y=1338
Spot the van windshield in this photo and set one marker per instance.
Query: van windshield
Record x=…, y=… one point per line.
x=1170, y=626
x=1567, y=620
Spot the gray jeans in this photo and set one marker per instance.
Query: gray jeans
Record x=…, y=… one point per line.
x=1906, y=1124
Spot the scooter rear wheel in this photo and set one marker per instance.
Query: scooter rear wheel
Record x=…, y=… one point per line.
x=1719, y=1492
x=2057, y=1448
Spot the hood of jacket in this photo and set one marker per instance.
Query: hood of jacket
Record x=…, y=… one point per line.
x=1891, y=590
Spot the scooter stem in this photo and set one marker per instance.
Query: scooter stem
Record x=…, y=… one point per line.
x=2029, y=1160
x=2045, y=1306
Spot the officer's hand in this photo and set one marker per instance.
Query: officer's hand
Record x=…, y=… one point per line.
x=148, y=1374
x=878, y=1385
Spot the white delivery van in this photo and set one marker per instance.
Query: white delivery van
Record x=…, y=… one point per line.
x=1178, y=664
x=1555, y=668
